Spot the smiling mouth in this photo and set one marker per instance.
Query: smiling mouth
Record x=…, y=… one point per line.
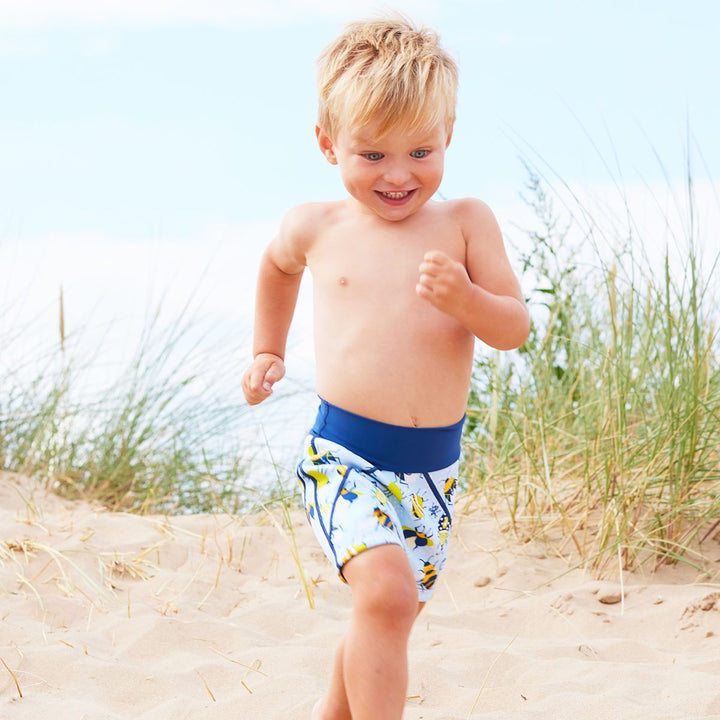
x=395, y=196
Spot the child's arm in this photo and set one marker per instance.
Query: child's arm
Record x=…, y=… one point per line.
x=281, y=270
x=483, y=294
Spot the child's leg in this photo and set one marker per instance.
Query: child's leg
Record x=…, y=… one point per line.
x=369, y=679
x=334, y=706
x=335, y=703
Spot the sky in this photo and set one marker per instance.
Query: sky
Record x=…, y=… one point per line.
x=148, y=149
x=141, y=120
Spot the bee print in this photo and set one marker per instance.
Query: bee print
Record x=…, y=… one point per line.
x=349, y=495
x=444, y=529
x=417, y=506
x=383, y=519
x=395, y=490
x=429, y=576
x=449, y=489
x=320, y=478
x=321, y=458
x=415, y=538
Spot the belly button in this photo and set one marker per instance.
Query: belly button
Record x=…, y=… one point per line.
x=343, y=280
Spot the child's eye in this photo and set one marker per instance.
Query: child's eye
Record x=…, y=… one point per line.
x=373, y=156
x=419, y=154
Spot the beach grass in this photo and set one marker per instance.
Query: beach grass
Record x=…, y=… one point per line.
x=601, y=434
x=151, y=437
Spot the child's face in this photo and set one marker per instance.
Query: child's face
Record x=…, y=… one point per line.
x=393, y=176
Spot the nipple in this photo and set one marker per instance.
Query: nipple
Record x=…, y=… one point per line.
x=343, y=281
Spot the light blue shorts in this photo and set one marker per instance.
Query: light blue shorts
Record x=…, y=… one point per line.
x=353, y=503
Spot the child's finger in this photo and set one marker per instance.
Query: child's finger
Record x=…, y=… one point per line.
x=252, y=388
x=435, y=257
x=274, y=373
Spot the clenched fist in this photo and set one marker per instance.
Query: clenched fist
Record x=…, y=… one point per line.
x=259, y=378
x=443, y=282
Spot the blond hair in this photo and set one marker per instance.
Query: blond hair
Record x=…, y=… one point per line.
x=389, y=72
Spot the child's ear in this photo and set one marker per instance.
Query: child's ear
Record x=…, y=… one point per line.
x=326, y=145
x=449, y=137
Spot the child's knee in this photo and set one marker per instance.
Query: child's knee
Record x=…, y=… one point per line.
x=383, y=585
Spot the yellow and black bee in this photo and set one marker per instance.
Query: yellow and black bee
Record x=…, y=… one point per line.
x=449, y=489
x=383, y=519
x=429, y=576
x=415, y=538
x=417, y=506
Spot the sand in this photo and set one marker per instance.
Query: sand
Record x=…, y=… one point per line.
x=106, y=616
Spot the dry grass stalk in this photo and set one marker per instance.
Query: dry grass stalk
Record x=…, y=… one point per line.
x=215, y=585
x=207, y=687
x=255, y=667
x=13, y=676
x=133, y=568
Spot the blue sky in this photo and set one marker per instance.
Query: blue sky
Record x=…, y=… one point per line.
x=148, y=149
x=132, y=122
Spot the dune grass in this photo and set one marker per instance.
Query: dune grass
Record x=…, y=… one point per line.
x=602, y=434
x=151, y=438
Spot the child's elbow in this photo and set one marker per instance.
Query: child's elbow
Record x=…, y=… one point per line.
x=516, y=333
x=523, y=330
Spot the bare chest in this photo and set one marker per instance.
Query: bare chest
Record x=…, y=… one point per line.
x=379, y=269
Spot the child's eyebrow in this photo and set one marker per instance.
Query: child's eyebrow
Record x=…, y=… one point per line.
x=374, y=142
x=362, y=139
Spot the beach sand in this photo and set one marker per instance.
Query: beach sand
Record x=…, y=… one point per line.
x=106, y=616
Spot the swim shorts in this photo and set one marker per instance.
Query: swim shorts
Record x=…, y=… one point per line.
x=367, y=483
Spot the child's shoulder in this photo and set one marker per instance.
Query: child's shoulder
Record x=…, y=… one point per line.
x=307, y=218
x=474, y=217
x=303, y=224
x=469, y=208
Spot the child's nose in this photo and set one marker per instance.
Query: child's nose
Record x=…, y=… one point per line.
x=396, y=173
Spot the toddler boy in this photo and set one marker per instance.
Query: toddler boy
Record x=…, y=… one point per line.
x=403, y=284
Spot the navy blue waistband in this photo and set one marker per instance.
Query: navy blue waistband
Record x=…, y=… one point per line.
x=390, y=447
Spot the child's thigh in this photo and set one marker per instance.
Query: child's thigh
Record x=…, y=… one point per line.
x=347, y=509
x=353, y=506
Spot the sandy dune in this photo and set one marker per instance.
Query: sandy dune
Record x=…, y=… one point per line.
x=107, y=616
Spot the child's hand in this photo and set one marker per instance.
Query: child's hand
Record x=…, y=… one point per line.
x=443, y=282
x=259, y=378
